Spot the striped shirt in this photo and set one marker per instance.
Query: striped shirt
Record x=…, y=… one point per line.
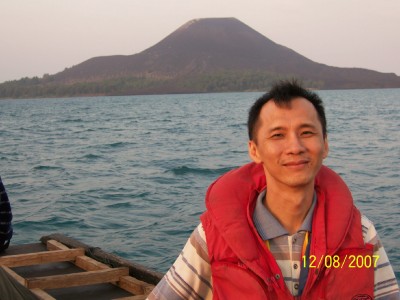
x=287, y=249
x=6, y=230
x=190, y=275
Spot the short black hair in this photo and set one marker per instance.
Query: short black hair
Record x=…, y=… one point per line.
x=282, y=93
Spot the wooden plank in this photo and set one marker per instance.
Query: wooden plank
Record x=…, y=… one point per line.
x=55, y=245
x=89, y=264
x=135, y=286
x=40, y=257
x=138, y=297
x=42, y=295
x=84, y=262
x=77, y=279
x=14, y=275
x=136, y=270
x=96, y=271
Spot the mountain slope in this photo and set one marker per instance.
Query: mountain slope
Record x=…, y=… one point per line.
x=221, y=54
x=199, y=46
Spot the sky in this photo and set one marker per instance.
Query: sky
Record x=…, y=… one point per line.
x=46, y=36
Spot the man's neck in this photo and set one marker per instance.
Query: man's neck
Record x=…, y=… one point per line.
x=290, y=208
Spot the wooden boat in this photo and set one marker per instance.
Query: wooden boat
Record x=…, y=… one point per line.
x=59, y=267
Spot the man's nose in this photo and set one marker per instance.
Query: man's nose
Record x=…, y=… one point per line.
x=294, y=144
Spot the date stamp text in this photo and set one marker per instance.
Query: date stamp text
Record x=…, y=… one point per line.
x=336, y=261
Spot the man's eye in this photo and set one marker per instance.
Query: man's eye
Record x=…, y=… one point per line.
x=277, y=135
x=306, y=133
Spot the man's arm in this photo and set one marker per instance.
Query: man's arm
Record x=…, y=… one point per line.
x=386, y=287
x=190, y=275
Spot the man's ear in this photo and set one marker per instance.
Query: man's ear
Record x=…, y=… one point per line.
x=253, y=151
x=326, y=148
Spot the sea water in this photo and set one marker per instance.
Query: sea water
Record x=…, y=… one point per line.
x=129, y=174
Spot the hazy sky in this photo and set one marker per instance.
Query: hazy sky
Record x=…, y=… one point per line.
x=46, y=36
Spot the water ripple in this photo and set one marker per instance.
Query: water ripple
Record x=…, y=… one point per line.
x=129, y=174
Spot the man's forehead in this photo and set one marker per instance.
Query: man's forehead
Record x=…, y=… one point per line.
x=301, y=114
x=297, y=104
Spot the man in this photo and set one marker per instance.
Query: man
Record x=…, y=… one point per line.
x=283, y=227
x=6, y=230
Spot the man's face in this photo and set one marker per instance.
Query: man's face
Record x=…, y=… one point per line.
x=289, y=143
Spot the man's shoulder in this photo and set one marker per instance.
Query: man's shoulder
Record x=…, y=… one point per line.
x=365, y=222
x=370, y=234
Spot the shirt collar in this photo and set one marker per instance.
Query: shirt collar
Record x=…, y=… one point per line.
x=269, y=227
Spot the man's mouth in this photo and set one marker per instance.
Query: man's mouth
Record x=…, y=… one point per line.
x=296, y=163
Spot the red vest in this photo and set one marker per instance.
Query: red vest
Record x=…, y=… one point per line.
x=242, y=266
